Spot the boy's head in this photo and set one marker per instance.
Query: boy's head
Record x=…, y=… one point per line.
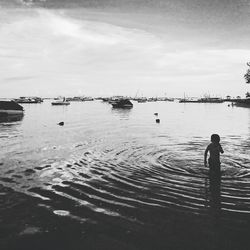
x=215, y=138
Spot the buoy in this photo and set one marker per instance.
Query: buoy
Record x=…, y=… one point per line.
x=157, y=120
x=228, y=105
x=156, y=114
x=61, y=123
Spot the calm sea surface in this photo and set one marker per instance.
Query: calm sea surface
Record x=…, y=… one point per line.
x=122, y=179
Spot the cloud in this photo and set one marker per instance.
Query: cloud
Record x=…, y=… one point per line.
x=30, y=2
x=18, y=78
x=203, y=61
x=65, y=54
x=26, y=2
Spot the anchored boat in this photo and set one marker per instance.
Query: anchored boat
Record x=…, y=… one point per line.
x=61, y=102
x=123, y=103
x=8, y=108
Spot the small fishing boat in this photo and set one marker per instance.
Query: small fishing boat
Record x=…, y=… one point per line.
x=123, y=103
x=88, y=98
x=60, y=102
x=8, y=108
x=142, y=100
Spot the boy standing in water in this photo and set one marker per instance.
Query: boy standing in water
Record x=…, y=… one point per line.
x=214, y=149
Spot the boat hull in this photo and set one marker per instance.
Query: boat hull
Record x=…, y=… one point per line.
x=26, y=102
x=10, y=112
x=11, y=118
x=188, y=101
x=122, y=106
x=60, y=103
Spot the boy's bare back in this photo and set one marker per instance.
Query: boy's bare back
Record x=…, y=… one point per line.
x=214, y=149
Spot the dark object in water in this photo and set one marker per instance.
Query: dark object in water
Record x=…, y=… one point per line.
x=123, y=103
x=61, y=123
x=156, y=114
x=157, y=120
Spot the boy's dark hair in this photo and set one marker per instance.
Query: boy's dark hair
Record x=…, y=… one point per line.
x=215, y=138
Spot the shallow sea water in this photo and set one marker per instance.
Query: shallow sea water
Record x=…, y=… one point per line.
x=115, y=178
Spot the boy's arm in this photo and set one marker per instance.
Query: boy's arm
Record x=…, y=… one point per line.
x=205, y=156
x=221, y=149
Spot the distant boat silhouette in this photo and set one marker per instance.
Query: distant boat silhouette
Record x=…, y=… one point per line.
x=123, y=103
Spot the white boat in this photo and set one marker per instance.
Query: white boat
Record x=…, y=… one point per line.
x=10, y=108
x=61, y=102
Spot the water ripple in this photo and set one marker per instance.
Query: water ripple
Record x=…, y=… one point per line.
x=125, y=179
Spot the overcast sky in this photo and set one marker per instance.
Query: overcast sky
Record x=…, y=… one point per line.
x=109, y=47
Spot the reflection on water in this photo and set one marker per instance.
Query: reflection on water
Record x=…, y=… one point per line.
x=215, y=208
x=119, y=174
x=213, y=195
x=122, y=113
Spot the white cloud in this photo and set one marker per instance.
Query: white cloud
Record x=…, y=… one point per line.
x=67, y=54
